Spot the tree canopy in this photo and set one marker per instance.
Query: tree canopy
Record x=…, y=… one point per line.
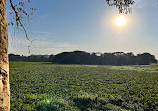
x=82, y=57
x=20, y=12
x=123, y=6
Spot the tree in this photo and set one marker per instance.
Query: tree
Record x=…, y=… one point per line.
x=146, y=59
x=4, y=64
x=124, y=6
x=18, y=16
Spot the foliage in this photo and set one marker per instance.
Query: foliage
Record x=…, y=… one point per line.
x=116, y=58
x=81, y=57
x=48, y=87
x=31, y=58
x=20, y=12
x=123, y=6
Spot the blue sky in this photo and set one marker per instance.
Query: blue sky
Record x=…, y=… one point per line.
x=68, y=25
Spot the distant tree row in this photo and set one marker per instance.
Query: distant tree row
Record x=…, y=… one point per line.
x=116, y=58
x=82, y=57
x=31, y=58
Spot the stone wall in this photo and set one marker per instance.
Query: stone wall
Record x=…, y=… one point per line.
x=4, y=65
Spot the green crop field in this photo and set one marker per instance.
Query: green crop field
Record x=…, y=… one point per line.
x=48, y=87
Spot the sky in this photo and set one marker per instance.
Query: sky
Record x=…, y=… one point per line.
x=87, y=25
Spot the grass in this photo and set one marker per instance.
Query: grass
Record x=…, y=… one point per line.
x=49, y=87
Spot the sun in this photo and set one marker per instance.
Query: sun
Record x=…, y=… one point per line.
x=120, y=21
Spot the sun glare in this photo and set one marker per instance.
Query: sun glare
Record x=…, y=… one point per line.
x=120, y=21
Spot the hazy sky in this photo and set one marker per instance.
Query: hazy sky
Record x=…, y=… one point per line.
x=88, y=25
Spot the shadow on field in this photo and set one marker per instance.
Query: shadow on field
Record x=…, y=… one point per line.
x=86, y=104
x=47, y=108
x=82, y=103
x=50, y=107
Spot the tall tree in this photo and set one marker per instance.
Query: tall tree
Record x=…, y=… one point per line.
x=4, y=64
x=19, y=14
x=18, y=11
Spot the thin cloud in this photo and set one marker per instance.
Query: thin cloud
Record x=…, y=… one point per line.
x=39, y=32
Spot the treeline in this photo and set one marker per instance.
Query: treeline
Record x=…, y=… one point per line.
x=82, y=57
x=116, y=58
x=31, y=58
